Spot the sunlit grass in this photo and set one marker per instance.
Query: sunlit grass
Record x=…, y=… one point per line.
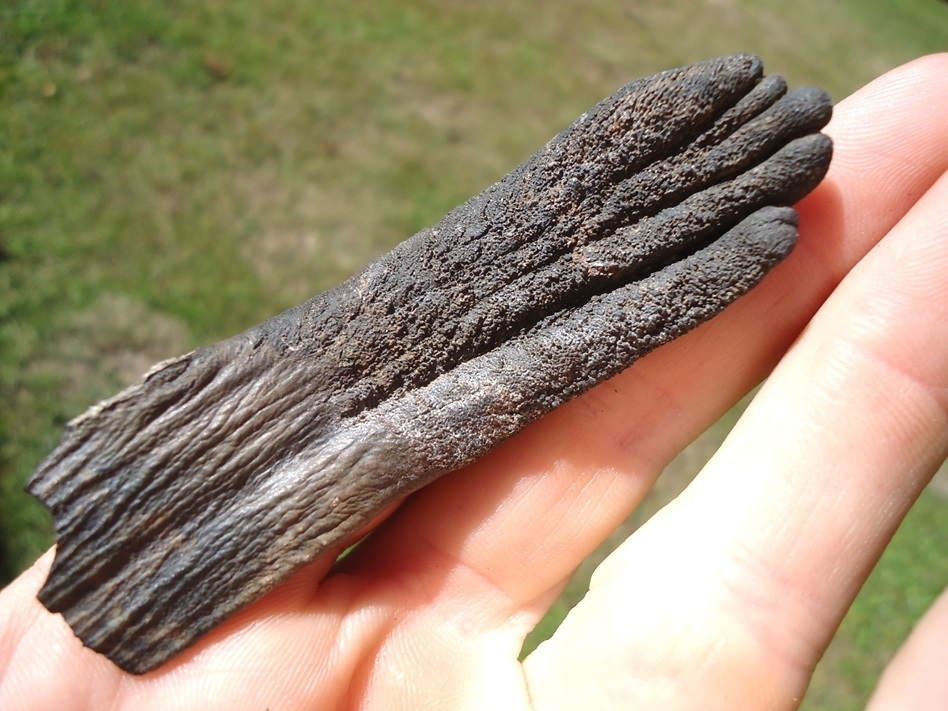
x=171, y=173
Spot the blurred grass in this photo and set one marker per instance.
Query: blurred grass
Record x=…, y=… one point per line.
x=171, y=173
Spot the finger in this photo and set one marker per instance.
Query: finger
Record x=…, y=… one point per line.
x=36, y=681
x=915, y=678
x=735, y=590
x=523, y=517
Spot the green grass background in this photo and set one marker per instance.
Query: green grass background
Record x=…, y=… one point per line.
x=173, y=172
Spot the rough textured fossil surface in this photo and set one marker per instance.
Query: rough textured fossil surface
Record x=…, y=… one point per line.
x=191, y=494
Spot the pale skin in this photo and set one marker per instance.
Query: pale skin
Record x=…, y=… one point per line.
x=728, y=597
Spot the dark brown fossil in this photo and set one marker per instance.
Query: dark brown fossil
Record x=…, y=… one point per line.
x=190, y=495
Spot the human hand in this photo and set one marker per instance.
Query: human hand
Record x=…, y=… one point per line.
x=726, y=598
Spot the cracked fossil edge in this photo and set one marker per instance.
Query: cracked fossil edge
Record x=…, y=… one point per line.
x=189, y=495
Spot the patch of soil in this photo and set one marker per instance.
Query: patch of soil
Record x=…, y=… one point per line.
x=98, y=351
